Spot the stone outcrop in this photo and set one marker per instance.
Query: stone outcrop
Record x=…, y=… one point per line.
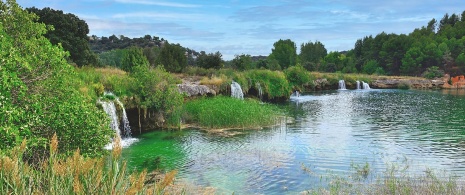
x=457, y=82
x=416, y=83
x=195, y=90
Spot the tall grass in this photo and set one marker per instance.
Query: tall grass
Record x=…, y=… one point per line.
x=74, y=174
x=395, y=180
x=227, y=112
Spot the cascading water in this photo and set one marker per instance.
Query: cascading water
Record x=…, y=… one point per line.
x=126, y=126
x=365, y=85
x=342, y=85
x=236, y=91
x=110, y=108
x=260, y=90
x=358, y=84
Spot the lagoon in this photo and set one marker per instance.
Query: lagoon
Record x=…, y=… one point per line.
x=325, y=135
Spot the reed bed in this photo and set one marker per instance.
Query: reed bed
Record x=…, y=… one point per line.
x=227, y=112
x=75, y=174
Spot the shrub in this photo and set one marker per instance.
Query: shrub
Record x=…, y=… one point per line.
x=297, y=76
x=433, y=72
x=403, y=85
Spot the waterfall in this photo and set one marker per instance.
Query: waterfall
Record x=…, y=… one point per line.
x=260, y=90
x=342, y=85
x=126, y=127
x=358, y=84
x=365, y=85
x=110, y=108
x=236, y=91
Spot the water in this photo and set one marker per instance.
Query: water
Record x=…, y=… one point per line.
x=342, y=85
x=236, y=91
x=358, y=84
x=110, y=108
x=365, y=85
x=327, y=133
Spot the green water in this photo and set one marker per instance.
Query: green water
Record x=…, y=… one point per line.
x=326, y=134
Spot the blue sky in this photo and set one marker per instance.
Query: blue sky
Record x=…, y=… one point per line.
x=251, y=26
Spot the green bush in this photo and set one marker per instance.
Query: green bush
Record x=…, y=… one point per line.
x=297, y=76
x=433, y=72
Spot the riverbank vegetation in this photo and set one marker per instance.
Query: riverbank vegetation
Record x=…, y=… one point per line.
x=227, y=112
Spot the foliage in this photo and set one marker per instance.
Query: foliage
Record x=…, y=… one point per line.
x=242, y=62
x=211, y=60
x=69, y=31
x=312, y=52
x=133, y=57
x=227, y=112
x=433, y=72
x=371, y=67
x=75, y=174
x=40, y=92
x=172, y=57
x=298, y=76
x=155, y=89
x=285, y=53
x=274, y=83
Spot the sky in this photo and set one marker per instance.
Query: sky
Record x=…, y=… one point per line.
x=235, y=27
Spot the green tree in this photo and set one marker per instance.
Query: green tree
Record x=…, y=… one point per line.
x=211, y=60
x=312, y=52
x=411, y=63
x=133, y=57
x=70, y=31
x=285, y=52
x=243, y=62
x=172, y=57
x=38, y=95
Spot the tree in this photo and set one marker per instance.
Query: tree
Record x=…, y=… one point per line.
x=133, y=57
x=39, y=95
x=312, y=52
x=411, y=62
x=211, y=60
x=70, y=31
x=285, y=53
x=242, y=62
x=172, y=57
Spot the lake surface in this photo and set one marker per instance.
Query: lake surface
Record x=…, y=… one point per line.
x=326, y=134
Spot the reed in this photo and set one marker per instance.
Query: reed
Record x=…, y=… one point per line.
x=75, y=174
x=227, y=112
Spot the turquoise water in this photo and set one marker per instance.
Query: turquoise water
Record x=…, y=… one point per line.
x=326, y=135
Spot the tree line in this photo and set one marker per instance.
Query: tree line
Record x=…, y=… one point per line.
x=439, y=46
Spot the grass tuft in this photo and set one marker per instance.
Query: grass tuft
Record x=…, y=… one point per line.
x=227, y=112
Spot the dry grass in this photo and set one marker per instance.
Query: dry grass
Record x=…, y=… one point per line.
x=215, y=80
x=74, y=175
x=111, y=71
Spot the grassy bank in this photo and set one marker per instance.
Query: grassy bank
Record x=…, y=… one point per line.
x=227, y=112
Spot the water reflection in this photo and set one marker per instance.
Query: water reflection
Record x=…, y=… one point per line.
x=330, y=132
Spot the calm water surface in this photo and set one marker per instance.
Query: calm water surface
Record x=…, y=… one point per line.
x=326, y=134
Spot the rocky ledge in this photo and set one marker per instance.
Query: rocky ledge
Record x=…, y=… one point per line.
x=195, y=90
x=416, y=83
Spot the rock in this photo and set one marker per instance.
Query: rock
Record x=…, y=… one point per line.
x=195, y=90
x=417, y=83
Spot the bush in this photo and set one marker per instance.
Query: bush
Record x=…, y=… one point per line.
x=297, y=76
x=433, y=72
